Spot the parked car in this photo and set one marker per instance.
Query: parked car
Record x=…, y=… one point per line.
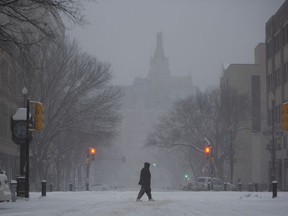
x=230, y=187
x=202, y=183
x=5, y=193
x=187, y=186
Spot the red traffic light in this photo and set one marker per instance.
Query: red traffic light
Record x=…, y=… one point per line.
x=92, y=151
x=208, y=151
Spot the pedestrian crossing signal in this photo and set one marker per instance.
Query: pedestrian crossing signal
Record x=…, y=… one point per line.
x=39, y=117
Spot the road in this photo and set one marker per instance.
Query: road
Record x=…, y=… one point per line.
x=168, y=203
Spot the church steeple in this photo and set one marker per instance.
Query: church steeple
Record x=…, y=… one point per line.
x=159, y=52
x=159, y=65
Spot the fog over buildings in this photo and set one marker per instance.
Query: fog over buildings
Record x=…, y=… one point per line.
x=199, y=36
x=161, y=51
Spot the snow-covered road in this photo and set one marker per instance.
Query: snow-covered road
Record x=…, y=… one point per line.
x=122, y=203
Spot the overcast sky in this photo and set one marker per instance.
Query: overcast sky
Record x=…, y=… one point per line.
x=198, y=35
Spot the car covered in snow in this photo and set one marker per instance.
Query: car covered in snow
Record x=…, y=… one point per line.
x=204, y=183
x=5, y=193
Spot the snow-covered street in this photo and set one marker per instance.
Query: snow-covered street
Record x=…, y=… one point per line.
x=122, y=203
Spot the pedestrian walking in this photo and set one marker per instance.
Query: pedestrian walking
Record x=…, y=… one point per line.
x=145, y=182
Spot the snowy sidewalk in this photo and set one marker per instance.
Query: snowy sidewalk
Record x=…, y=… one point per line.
x=122, y=203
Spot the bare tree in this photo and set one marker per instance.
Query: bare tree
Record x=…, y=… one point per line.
x=198, y=121
x=27, y=22
x=74, y=87
x=188, y=125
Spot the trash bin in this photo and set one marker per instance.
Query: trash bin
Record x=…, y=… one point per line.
x=21, y=186
x=43, y=184
x=274, y=188
x=13, y=186
x=70, y=187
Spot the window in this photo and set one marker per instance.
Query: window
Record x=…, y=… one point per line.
x=269, y=83
x=277, y=42
x=285, y=72
x=286, y=172
x=285, y=34
x=256, y=102
x=269, y=49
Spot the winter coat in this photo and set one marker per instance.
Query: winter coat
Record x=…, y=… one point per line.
x=145, y=175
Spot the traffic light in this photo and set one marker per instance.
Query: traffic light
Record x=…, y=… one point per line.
x=208, y=151
x=39, y=116
x=92, y=152
x=284, y=116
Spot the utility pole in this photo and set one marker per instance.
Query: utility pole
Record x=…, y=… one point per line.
x=27, y=170
x=87, y=171
x=273, y=154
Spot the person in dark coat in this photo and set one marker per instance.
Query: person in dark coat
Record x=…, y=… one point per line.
x=145, y=182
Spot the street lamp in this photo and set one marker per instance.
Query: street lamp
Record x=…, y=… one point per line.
x=273, y=150
x=23, y=147
x=24, y=93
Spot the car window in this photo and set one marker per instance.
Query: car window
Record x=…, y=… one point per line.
x=217, y=181
x=201, y=180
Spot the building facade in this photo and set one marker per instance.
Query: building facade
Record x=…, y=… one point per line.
x=250, y=153
x=277, y=93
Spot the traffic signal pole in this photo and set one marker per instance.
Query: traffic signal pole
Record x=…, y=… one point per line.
x=88, y=168
x=209, y=155
x=27, y=170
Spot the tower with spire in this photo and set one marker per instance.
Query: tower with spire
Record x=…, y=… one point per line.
x=143, y=103
x=159, y=64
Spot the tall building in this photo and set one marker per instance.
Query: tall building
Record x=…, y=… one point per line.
x=250, y=153
x=277, y=93
x=143, y=103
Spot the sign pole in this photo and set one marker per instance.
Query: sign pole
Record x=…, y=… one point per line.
x=27, y=151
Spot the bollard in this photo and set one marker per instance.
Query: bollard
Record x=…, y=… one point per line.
x=51, y=187
x=208, y=187
x=274, y=188
x=239, y=186
x=256, y=187
x=70, y=187
x=250, y=187
x=13, y=185
x=43, y=184
x=225, y=186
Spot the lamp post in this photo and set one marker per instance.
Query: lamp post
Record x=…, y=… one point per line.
x=27, y=170
x=24, y=93
x=22, y=146
x=273, y=150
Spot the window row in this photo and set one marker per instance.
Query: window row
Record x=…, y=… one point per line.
x=279, y=40
x=277, y=78
x=277, y=115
